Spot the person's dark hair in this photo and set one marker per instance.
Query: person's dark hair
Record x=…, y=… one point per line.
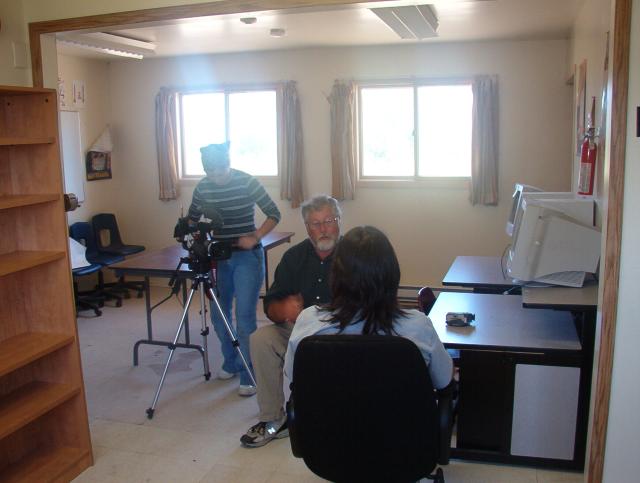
x=364, y=280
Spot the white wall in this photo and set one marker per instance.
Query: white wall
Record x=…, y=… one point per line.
x=621, y=456
x=535, y=119
x=95, y=114
x=13, y=30
x=589, y=43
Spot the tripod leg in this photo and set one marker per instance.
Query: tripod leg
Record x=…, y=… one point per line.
x=172, y=348
x=234, y=340
x=204, y=332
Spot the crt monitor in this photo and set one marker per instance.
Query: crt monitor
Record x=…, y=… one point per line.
x=518, y=190
x=572, y=205
x=551, y=246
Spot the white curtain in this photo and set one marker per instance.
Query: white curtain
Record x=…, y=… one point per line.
x=343, y=140
x=292, y=148
x=167, y=144
x=484, y=144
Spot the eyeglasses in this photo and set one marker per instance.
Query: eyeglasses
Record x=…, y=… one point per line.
x=326, y=223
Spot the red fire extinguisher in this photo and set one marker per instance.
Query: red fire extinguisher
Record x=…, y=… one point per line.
x=588, y=156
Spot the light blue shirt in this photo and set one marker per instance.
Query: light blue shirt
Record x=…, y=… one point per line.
x=415, y=326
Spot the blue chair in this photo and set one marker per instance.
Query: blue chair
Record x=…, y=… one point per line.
x=106, y=222
x=82, y=232
x=90, y=300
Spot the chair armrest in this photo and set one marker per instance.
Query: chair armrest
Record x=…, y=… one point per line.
x=445, y=397
x=291, y=424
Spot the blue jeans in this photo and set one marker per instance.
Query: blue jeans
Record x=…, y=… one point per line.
x=241, y=277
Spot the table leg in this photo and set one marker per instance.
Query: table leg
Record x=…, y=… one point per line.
x=149, y=309
x=186, y=320
x=266, y=271
x=147, y=305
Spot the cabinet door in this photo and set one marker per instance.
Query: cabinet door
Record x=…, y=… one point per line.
x=486, y=396
x=545, y=411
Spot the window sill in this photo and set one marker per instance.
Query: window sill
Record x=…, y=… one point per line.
x=413, y=183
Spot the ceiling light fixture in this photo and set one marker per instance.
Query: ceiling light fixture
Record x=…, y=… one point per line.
x=277, y=32
x=410, y=22
x=107, y=43
x=248, y=20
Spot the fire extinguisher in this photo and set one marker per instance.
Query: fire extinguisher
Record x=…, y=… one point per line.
x=588, y=156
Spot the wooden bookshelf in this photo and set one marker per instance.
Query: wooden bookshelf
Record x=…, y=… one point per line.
x=21, y=260
x=28, y=402
x=16, y=201
x=47, y=465
x=17, y=141
x=44, y=430
x=20, y=350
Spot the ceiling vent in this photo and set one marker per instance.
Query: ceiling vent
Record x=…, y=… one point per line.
x=410, y=22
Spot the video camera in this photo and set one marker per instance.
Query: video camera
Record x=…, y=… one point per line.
x=198, y=240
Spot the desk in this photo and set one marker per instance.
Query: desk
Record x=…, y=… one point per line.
x=162, y=263
x=520, y=378
x=561, y=298
x=483, y=274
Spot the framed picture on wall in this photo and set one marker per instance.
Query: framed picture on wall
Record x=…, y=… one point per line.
x=581, y=101
x=98, y=165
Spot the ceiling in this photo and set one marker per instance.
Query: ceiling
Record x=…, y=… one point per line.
x=459, y=20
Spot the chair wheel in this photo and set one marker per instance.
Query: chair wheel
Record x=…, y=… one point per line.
x=139, y=295
x=127, y=295
x=119, y=303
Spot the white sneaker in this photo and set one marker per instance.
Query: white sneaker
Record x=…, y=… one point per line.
x=224, y=375
x=246, y=390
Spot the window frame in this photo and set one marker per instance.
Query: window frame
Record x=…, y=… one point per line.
x=414, y=180
x=227, y=89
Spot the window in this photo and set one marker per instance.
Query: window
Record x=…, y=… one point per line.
x=415, y=131
x=246, y=118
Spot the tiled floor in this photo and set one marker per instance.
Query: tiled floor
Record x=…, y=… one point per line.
x=194, y=434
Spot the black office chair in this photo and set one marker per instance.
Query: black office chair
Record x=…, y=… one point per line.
x=89, y=300
x=363, y=409
x=82, y=232
x=106, y=222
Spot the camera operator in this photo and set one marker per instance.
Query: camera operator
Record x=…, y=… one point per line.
x=232, y=195
x=300, y=281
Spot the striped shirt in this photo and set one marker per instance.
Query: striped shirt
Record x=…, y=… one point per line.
x=234, y=202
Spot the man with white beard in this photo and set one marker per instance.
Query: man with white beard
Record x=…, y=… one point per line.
x=300, y=281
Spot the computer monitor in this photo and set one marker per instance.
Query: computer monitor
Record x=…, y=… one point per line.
x=551, y=246
x=580, y=208
x=518, y=190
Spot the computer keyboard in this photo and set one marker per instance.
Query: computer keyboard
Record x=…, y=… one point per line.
x=567, y=279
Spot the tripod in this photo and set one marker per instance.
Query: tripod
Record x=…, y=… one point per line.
x=201, y=279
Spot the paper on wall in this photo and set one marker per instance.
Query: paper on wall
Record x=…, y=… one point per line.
x=103, y=144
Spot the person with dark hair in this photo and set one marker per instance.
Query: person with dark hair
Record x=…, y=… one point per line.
x=301, y=280
x=364, y=281
x=232, y=195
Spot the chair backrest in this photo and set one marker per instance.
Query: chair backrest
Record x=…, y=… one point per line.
x=82, y=232
x=106, y=221
x=365, y=408
x=426, y=299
